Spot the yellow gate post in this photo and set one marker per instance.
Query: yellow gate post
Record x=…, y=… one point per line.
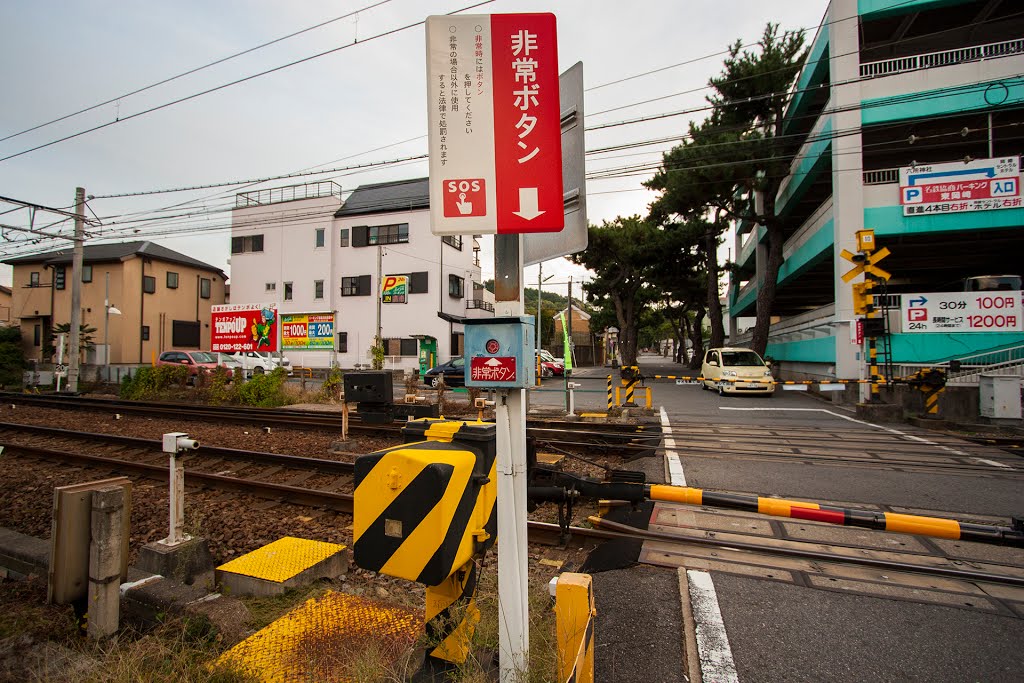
x=574, y=627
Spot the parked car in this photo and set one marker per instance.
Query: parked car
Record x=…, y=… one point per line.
x=549, y=365
x=195, y=361
x=736, y=370
x=453, y=373
x=259, y=362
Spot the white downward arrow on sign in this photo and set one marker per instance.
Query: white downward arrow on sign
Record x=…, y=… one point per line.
x=528, y=203
x=493, y=362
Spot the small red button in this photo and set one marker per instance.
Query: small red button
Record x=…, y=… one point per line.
x=493, y=346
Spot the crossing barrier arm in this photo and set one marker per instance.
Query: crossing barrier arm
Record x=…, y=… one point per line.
x=563, y=487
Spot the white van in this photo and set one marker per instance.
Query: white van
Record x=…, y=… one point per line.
x=259, y=362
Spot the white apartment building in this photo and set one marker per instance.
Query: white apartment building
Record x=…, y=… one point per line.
x=308, y=251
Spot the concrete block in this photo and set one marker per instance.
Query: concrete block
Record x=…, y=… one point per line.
x=286, y=563
x=105, y=560
x=880, y=412
x=183, y=562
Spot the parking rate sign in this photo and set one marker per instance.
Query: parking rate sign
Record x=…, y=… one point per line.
x=962, y=312
x=495, y=137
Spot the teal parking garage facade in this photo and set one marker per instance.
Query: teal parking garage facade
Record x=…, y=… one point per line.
x=889, y=84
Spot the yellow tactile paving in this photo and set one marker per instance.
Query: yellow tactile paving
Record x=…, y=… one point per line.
x=281, y=560
x=593, y=414
x=335, y=637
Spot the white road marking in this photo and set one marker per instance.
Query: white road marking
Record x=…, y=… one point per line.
x=993, y=463
x=716, y=663
x=673, y=465
x=911, y=437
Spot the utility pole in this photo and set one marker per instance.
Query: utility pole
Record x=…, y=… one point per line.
x=76, y=289
x=379, y=276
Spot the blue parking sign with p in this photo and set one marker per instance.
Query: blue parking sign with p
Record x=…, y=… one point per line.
x=912, y=195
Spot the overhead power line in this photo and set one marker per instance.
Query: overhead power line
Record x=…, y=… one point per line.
x=195, y=70
x=223, y=86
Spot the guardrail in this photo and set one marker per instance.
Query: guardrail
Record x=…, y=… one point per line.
x=888, y=67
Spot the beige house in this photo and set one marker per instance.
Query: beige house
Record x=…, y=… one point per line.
x=5, y=307
x=163, y=297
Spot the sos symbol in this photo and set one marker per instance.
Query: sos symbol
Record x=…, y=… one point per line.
x=492, y=346
x=465, y=197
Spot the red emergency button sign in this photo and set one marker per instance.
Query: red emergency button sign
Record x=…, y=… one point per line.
x=492, y=346
x=496, y=369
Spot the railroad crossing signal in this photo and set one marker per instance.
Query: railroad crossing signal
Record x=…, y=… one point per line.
x=862, y=297
x=865, y=264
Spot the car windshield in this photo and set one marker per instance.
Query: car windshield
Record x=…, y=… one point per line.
x=546, y=355
x=740, y=359
x=203, y=357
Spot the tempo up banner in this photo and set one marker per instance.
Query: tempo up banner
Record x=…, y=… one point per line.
x=243, y=327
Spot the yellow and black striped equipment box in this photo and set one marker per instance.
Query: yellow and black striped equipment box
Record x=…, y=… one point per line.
x=424, y=509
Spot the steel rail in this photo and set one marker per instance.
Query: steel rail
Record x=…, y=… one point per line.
x=261, y=457
x=627, y=531
x=542, y=532
x=291, y=494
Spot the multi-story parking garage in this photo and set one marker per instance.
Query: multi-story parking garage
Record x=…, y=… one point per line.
x=891, y=87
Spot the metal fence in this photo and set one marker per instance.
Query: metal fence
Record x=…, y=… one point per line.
x=887, y=67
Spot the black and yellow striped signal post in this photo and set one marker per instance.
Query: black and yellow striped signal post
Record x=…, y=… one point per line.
x=630, y=375
x=425, y=511
x=611, y=401
x=865, y=263
x=931, y=382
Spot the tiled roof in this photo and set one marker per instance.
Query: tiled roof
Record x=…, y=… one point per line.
x=402, y=195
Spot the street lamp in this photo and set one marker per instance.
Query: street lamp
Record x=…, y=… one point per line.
x=108, y=311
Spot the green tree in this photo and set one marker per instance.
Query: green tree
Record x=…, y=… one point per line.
x=622, y=254
x=12, y=357
x=738, y=154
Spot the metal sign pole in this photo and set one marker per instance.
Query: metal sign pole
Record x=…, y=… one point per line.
x=510, y=416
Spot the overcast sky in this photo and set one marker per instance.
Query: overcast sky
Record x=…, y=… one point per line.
x=361, y=104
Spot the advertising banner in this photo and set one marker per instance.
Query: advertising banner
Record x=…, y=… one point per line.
x=307, y=331
x=394, y=289
x=243, y=327
x=494, y=124
x=962, y=312
x=978, y=185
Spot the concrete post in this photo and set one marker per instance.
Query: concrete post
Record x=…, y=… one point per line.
x=847, y=177
x=105, y=556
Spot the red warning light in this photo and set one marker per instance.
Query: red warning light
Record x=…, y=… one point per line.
x=492, y=346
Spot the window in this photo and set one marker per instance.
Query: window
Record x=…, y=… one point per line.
x=204, y=288
x=145, y=333
x=318, y=289
x=343, y=237
x=319, y=239
x=172, y=280
x=343, y=342
x=148, y=284
x=401, y=347
x=240, y=245
x=410, y=347
x=37, y=335
x=287, y=291
x=185, y=333
x=60, y=276
x=33, y=279
x=270, y=287
x=418, y=282
x=86, y=273
x=453, y=241
x=368, y=236
x=456, y=286
x=355, y=286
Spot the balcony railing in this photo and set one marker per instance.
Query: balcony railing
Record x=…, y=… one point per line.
x=479, y=303
x=882, y=176
x=887, y=67
x=291, y=193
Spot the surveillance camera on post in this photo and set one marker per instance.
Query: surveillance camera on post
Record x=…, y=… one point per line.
x=176, y=442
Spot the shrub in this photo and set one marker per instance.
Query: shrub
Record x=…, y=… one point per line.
x=12, y=357
x=218, y=386
x=149, y=382
x=332, y=386
x=265, y=391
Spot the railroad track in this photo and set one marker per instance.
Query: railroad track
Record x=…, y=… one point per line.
x=139, y=459
x=627, y=440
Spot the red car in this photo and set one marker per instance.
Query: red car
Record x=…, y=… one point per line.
x=550, y=366
x=195, y=360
